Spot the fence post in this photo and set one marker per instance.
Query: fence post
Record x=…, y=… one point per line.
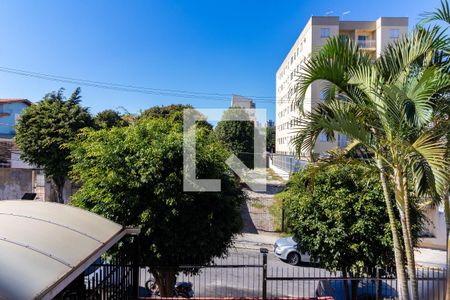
x=378, y=294
x=135, y=267
x=264, y=252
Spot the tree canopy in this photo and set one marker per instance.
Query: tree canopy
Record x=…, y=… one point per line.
x=134, y=176
x=109, y=118
x=237, y=136
x=166, y=111
x=338, y=215
x=45, y=127
x=271, y=138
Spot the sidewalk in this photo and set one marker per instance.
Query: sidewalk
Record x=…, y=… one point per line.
x=254, y=241
x=430, y=258
x=424, y=257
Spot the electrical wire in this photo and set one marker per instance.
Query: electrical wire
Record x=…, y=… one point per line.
x=140, y=89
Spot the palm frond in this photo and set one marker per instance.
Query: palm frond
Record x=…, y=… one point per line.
x=397, y=58
x=432, y=150
x=441, y=13
x=334, y=116
x=331, y=63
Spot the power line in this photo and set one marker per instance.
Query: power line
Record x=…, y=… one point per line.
x=139, y=89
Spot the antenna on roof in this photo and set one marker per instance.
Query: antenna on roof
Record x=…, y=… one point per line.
x=345, y=13
x=329, y=13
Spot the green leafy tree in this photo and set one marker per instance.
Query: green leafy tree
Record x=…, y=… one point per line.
x=337, y=214
x=45, y=127
x=109, y=118
x=173, y=112
x=271, y=138
x=134, y=176
x=166, y=111
x=237, y=135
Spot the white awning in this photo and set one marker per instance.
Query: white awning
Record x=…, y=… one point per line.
x=42, y=244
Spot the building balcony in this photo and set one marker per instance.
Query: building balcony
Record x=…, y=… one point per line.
x=367, y=44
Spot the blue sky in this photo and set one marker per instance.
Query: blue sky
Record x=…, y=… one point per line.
x=210, y=46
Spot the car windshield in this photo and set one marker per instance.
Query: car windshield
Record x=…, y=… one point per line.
x=295, y=239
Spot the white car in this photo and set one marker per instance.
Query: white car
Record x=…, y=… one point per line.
x=286, y=250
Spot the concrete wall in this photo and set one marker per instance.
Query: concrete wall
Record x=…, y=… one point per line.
x=437, y=228
x=14, y=183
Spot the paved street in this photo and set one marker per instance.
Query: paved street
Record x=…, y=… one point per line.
x=240, y=275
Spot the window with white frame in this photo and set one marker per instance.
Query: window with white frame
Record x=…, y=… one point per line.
x=324, y=32
x=394, y=33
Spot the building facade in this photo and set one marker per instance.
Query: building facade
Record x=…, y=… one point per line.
x=10, y=110
x=244, y=102
x=371, y=36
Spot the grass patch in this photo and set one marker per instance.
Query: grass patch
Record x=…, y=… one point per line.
x=271, y=175
x=275, y=211
x=258, y=205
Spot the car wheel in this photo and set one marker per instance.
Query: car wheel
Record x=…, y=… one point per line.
x=293, y=258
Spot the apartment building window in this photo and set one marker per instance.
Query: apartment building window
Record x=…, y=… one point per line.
x=323, y=95
x=394, y=33
x=322, y=137
x=362, y=41
x=324, y=32
x=342, y=141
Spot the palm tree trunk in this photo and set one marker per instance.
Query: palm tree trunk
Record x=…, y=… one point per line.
x=411, y=260
x=401, y=195
x=403, y=292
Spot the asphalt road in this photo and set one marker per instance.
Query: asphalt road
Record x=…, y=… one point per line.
x=240, y=275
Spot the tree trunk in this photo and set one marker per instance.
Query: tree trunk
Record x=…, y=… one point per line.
x=411, y=257
x=165, y=279
x=59, y=194
x=398, y=254
x=58, y=185
x=401, y=195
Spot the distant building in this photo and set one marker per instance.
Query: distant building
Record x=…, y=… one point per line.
x=244, y=102
x=371, y=37
x=241, y=101
x=10, y=110
x=270, y=123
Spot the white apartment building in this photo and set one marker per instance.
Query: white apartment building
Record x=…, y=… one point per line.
x=371, y=36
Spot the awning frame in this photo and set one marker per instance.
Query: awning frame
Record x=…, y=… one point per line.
x=52, y=291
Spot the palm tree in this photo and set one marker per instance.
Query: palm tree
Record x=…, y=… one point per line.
x=386, y=106
x=442, y=14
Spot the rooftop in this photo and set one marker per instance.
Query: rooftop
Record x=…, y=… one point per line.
x=44, y=244
x=15, y=100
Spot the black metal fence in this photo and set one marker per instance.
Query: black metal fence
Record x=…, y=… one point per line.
x=257, y=276
x=287, y=163
x=263, y=276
